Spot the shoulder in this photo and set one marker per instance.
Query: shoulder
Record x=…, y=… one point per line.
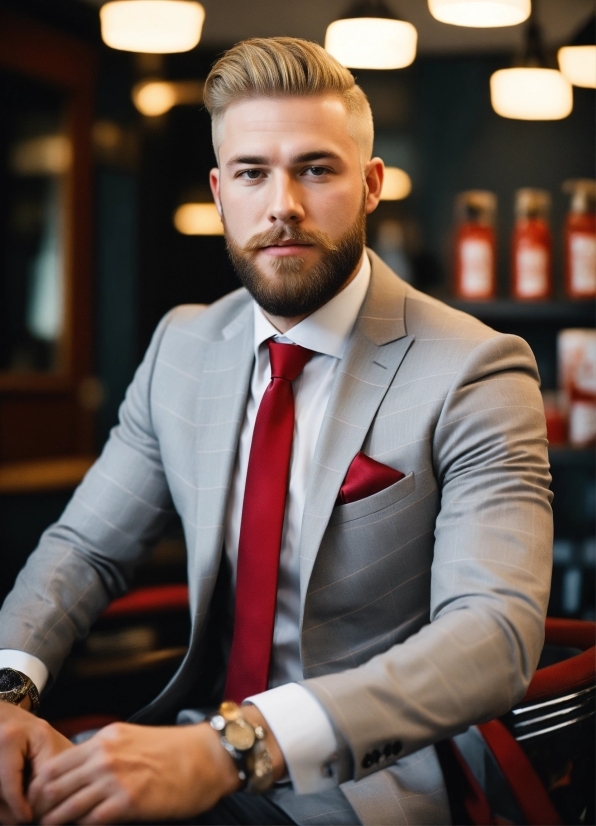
x=207, y=322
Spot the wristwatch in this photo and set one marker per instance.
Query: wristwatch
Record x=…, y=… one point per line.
x=245, y=744
x=15, y=686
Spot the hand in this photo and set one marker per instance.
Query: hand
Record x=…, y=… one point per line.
x=127, y=772
x=26, y=743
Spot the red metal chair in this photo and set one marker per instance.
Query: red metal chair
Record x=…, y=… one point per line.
x=537, y=766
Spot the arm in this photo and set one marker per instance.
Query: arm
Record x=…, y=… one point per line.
x=109, y=526
x=490, y=573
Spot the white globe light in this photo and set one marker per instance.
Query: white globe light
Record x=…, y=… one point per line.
x=531, y=94
x=578, y=64
x=198, y=219
x=397, y=184
x=154, y=97
x=372, y=42
x=481, y=14
x=152, y=26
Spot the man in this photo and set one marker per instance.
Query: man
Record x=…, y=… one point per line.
x=360, y=469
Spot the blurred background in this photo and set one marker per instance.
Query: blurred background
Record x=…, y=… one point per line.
x=106, y=223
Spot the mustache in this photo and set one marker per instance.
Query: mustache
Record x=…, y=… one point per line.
x=291, y=233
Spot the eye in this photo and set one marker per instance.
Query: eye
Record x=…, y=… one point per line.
x=317, y=171
x=250, y=174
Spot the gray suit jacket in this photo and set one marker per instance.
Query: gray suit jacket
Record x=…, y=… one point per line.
x=422, y=606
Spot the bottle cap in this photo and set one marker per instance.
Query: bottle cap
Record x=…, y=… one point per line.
x=532, y=203
x=583, y=194
x=476, y=206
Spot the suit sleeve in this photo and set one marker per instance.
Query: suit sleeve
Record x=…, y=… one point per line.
x=110, y=525
x=490, y=576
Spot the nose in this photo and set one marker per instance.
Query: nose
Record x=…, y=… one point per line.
x=285, y=206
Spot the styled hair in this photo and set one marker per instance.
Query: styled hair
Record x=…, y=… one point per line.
x=285, y=66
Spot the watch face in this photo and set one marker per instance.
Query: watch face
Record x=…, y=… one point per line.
x=10, y=680
x=240, y=735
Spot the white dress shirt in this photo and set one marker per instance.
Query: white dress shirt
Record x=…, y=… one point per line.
x=305, y=735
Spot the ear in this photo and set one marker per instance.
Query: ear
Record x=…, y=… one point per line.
x=373, y=177
x=214, y=184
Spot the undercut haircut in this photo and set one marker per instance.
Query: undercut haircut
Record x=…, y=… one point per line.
x=285, y=66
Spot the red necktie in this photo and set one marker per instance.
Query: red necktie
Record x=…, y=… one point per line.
x=261, y=526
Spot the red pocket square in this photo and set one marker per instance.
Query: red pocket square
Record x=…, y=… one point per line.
x=366, y=476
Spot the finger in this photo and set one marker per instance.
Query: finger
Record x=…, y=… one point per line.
x=77, y=807
x=46, y=793
x=12, y=793
x=108, y=811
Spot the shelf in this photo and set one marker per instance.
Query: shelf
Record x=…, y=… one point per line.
x=563, y=313
x=43, y=475
x=565, y=456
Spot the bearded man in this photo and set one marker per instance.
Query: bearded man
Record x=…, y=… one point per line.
x=362, y=477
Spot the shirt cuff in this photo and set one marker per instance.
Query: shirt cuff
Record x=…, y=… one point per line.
x=29, y=665
x=304, y=734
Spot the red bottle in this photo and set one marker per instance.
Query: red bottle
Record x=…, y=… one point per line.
x=531, y=246
x=475, y=245
x=580, y=239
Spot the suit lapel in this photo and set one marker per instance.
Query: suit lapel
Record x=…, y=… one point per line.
x=374, y=352
x=220, y=411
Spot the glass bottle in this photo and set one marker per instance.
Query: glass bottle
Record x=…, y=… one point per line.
x=531, y=246
x=580, y=239
x=475, y=245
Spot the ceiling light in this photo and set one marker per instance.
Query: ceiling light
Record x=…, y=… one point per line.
x=397, y=184
x=369, y=37
x=577, y=60
x=531, y=90
x=531, y=94
x=198, y=219
x=578, y=64
x=152, y=26
x=156, y=97
x=481, y=14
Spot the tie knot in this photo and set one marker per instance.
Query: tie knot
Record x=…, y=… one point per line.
x=287, y=360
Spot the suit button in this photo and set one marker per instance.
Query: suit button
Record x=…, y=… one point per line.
x=367, y=761
x=396, y=747
x=376, y=755
x=387, y=750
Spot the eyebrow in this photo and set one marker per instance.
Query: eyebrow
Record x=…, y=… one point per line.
x=305, y=157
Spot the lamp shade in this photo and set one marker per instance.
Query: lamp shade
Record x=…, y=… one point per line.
x=480, y=14
x=372, y=42
x=578, y=64
x=152, y=26
x=397, y=184
x=156, y=97
x=198, y=219
x=531, y=94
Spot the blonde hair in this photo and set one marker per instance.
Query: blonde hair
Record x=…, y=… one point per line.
x=280, y=66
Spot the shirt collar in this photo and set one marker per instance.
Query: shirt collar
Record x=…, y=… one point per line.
x=327, y=329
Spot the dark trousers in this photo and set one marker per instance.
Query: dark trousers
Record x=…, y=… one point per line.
x=244, y=809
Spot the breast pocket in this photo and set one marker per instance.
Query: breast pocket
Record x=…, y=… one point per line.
x=375, y=503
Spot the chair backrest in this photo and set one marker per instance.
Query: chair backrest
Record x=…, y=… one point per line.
x=541, y=755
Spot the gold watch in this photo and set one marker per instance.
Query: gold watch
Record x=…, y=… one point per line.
x=245, y=744
x=15, y=686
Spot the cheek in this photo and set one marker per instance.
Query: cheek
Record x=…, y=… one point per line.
x=336, y=209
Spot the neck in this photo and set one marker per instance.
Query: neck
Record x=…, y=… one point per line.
x=284, y=323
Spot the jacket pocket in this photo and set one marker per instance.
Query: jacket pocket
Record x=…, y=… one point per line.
x=372, y=504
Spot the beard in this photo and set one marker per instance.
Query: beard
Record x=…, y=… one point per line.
x=295, y=288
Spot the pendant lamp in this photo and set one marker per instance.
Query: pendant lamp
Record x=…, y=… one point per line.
x=578, y=60
x=481, y=14
x=198, y=219
x=397, y=184
x=152, y=26
x=370, y=37
x=531, y=90
x=156, y=97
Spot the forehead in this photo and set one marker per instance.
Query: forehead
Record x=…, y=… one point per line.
x=257, y=125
